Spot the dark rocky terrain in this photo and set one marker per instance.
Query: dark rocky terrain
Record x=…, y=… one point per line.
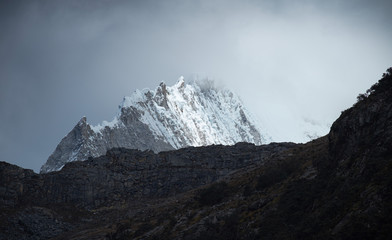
x=120, y=178
x=335, y=187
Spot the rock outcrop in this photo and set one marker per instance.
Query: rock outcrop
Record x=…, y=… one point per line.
x=125, y=175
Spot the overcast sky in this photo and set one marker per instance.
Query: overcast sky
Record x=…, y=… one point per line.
x=290, y=61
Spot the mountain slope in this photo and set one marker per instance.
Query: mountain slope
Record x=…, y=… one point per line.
x=335, y=187
x=194, y=114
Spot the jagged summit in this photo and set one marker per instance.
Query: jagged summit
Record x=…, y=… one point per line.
x=185, y=114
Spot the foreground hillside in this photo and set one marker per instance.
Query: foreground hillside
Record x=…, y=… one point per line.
x=335, y=187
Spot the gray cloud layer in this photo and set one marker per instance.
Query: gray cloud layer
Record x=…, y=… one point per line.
x=291, y=61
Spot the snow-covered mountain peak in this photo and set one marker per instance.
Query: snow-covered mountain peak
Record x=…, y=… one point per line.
x=169, y=117
x=180, y=84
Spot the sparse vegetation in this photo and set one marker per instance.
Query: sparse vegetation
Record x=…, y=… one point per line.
x=384, y=83
x=213, y=194
x=270, y=177
x=276, y=173
x=227, y=229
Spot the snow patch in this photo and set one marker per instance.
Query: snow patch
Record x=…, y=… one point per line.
x=112, y=124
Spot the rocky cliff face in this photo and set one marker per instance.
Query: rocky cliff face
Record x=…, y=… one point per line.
x=121, y=177
x=366, y=127
x=195, y=114
x=124, y=175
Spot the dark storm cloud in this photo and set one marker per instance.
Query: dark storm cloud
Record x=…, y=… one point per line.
x=289, y=60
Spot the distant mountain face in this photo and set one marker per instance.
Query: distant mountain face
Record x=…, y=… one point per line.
x=194, y=114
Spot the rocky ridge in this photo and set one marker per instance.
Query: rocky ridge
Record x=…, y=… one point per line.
x=186, y=114
x=120, y=177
